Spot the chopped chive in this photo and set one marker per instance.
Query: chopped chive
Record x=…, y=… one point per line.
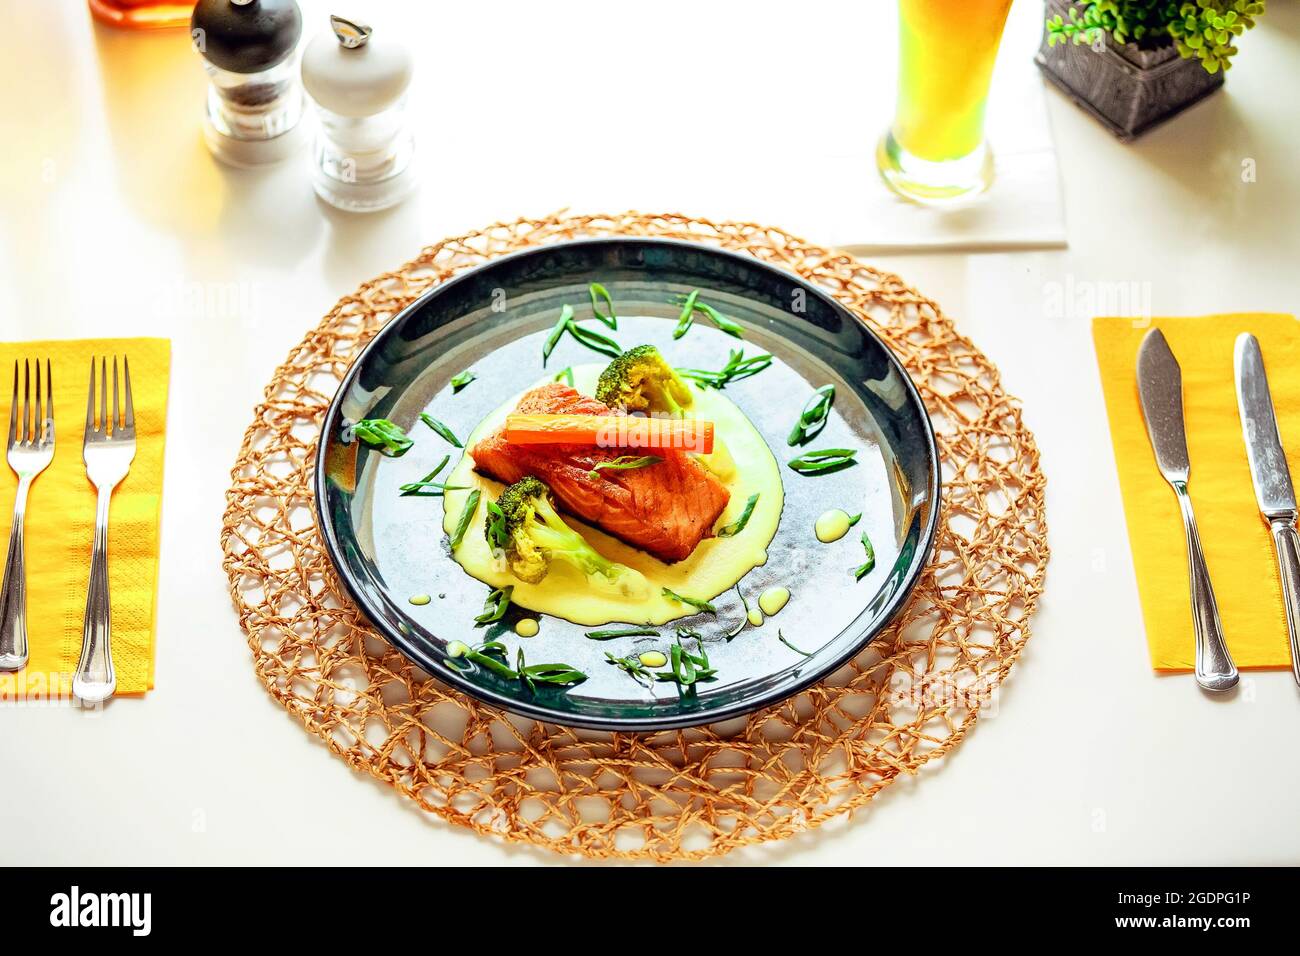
x=693, y=602
x=721, y=321
x=494, y=527
x=496, y=605
x=414, y=486
x=737, y=367
x=781, y=637
x=854, y=519
x=596, y=341
x=466, y=515
x=686, y=668
x=744, y=615
x=631, y=666
x=816, y=413
x=864, y=569
x=564, y=321
x=461, y=380
x=611, y=633
x=737, y=526
x=687, y=317
x=440, y=428
x=565, y=375
x=624, y=463
x=824, y=461
x=382, y=434
x=594, y=290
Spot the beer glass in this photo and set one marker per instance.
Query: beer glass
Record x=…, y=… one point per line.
x=935, y=151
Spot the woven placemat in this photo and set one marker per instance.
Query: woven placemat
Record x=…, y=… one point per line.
x=906, y=701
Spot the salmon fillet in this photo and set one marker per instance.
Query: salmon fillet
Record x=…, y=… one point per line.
x=665, y=509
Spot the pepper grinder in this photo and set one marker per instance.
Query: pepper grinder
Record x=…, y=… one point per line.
x=254, y=97
x=362, y=157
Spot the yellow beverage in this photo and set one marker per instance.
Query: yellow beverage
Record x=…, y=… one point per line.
x=935, y=148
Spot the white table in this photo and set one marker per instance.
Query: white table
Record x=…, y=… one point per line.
x=116, y=222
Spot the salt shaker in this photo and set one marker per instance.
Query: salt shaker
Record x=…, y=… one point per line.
x=254, y=95
x=363, y=151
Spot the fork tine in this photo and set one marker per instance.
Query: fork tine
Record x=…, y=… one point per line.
x=38, y=423
x=90, y=400
x=49, y=391
x=117, y=427
x=103, y=395
x=13, y=409
x=27, y=400
x=130, y=407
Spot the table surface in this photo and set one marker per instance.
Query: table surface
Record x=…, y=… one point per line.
x=116, y=221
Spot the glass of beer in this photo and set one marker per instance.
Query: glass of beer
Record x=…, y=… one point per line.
x=935, y=151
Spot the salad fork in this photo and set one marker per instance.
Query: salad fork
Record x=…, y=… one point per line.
x=108, y=450
x=31, y=449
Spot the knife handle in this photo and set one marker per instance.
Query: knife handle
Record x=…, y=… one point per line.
x=1214, y=668
x=1287, y=543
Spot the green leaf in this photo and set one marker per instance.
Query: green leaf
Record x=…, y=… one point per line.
x=737, y=526
x=624, y=463
x=594, y=290
x=864, y=569
x=565, y=320
x=687, y=317
x=693, y=602
x=596, y=341
x=461, y=380
x=613, y=633
x=824, y=461
x=496, y=605
x=816, y=413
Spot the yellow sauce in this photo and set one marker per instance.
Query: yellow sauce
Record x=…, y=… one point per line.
x=832, y=526
x=653, y=659
x=716, y=565
x=755, y=617
x=419, y=600
x=773, y=599
x=527, y=626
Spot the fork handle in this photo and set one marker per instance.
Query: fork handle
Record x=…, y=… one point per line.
x=13, y=595
x=95, y=679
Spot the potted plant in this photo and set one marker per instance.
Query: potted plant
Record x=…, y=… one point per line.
x=1135, y=63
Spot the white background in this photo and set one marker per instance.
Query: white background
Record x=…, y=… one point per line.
x=116, y=222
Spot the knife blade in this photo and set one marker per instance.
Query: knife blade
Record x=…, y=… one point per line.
x=1272, y=478
x=1160, y=388
x=1268, y=467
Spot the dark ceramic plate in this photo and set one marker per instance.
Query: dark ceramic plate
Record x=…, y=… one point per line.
x=387, y=548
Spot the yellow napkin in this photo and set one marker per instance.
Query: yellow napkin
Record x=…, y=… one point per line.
x=61, y=519
x=1238, y=546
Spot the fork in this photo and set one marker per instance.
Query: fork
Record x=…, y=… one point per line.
x=31, y=449
x=108, y=450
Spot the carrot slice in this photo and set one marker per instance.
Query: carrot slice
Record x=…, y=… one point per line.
x=611, y=431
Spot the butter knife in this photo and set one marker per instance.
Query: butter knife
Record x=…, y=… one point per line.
x=1160, y=387
x=1272, y=477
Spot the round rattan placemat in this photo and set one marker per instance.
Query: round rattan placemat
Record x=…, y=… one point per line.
x=906, y=701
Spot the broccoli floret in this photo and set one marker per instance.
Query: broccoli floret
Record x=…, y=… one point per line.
x=641, y=381
x=532, y=534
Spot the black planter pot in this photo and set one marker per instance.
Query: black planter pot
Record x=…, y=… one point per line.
x=1129, y=89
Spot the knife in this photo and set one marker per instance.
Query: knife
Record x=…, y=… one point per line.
x=1160, y=387
x=1272, y=477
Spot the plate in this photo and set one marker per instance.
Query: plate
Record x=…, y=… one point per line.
x=387, y=548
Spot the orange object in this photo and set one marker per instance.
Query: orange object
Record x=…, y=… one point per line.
x=143, y=14
x=611, y=431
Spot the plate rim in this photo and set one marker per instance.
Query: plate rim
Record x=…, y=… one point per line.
x=681, y=720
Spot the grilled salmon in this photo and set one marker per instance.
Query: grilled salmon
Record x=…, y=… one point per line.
x=665, y=509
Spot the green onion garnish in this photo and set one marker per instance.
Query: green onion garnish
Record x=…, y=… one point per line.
x=594, y=290
x=737, y=367
x=781, y=637
x=824, y=461
x=596, y=341
x=382, y=434
x=624, y=463
x=460, y=381
x=532, y=675
x=609, y=635
x=440, y=428
x=494, y=527
x=496, y=605
x=744, y=615
x=687, y=668
x=737, y=526
x=720, y=320
x=687, y=317
x=632, y=666
x=564, y=321
x=693, y=602
x=864, y=569
x=466, y=515
x=426, y=487
x=487, y=655
x=816, y=413
x=854, y=519
x=565, y=375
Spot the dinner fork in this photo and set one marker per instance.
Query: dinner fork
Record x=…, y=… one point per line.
x=108, y=450
x=31, y=449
